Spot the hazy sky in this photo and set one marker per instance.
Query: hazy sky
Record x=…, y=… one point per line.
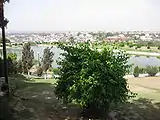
x=56, y=15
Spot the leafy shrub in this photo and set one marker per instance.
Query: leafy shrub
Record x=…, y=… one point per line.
x=12, y=63
x=138, y=46
x=19, y=66
x=136, y=71
x=12, y=56
x=55, y=71
x=92, y=79
x=158, y=57
x=130, y=45
x=122, y=44
x=12, y=66
x=151, y=70
x=142, y=70
x=158, y=47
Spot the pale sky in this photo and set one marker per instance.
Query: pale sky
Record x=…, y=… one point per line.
x=87, y=15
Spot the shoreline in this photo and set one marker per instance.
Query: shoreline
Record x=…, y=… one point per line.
x=140, y=75
x=152, y=54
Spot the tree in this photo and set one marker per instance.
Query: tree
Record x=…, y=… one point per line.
x=152, y=70
x=12, y=63
x=27, y=58
x=47, y=60
x=108, y=34
x=92, y=79
x=136, y=71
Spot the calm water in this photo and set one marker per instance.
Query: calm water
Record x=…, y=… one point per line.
x=38, y=53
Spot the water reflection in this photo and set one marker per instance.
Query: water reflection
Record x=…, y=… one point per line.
x=38, y=53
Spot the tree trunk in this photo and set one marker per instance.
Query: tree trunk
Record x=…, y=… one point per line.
x=4, y=47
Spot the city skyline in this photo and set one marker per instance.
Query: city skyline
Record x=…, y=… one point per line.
x=83, y=15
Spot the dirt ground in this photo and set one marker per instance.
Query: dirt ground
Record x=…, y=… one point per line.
x=147, y=87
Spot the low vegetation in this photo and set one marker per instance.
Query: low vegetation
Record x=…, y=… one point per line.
x=136, y=71
x=150, y=70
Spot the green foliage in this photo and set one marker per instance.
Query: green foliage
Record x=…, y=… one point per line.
x=131, y=45
x=27, y=57
x=151, y=70
x=12, y=63
x=12, y=56
x=89, y=77
x=55, y=71
x=136, y=71
x=121, y=44
x=19, y=66
x=47, y=59
x=158, y=57
x=139, y=70
x=138, y=46
x=12, y=66
x=158, y=48
x=142, y=70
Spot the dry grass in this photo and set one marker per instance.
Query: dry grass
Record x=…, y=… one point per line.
x=146, y=87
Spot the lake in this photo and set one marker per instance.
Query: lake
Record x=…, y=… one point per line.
x=38, y=53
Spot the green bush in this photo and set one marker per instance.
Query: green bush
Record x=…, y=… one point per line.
x=142, y=70
x=158, y=47
x=55, y=71
x=136, y=71
x=12, y=66
x=131, y=45
x=138, y=46
x=92, y=79
x=121, y=44
x=151, y=70
x=158, y=57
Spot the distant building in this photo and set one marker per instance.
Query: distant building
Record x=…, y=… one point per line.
x=146, y=38
x=119, y=38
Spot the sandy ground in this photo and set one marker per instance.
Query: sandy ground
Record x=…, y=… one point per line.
x=146, y=87
x=145, y=82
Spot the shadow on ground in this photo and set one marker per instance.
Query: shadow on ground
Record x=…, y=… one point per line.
x=141, y=109
x=37, y=101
